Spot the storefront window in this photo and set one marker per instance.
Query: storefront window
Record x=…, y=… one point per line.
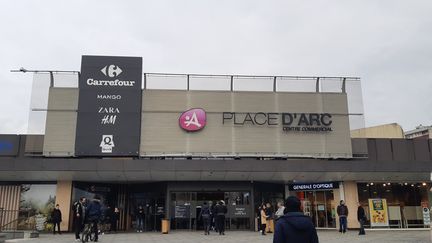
x=404, y=202
x=36, y=204
x=320, y=206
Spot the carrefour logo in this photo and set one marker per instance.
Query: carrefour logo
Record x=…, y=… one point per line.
x=111, y=71
x=193, y=120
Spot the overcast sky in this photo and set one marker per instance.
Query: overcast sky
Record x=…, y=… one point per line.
x=386, y=43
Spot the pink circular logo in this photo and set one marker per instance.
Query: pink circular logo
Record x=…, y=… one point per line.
x=193, y=120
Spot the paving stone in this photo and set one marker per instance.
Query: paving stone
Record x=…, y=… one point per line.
x=325, y=236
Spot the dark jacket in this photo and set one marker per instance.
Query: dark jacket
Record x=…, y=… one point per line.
x=56, y=216
x=94, y=211
x=361, y=215
x=140, y=213
x=78, y=209
x=220, y=210
x=295, y=227
x=342, y=210
x=205, y=212
x=269, y=213
x=115, y=216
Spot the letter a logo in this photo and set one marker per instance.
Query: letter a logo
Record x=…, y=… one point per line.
x=193, y=120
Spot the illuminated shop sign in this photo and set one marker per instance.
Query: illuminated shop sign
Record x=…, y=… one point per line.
x=304, y=122
x=313, y=186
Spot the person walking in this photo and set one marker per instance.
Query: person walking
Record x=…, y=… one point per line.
x=220, y=211
x=78, y=217
x=342, y=211
x=114, y=219
x=280, y=210
x=140, y=214
x=94, y=214
x=263, y=219
x=294, y=226
x=205, y=216
x=56, y=217
x=361, y=217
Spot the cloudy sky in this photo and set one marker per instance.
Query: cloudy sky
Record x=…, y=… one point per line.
x=388, y=43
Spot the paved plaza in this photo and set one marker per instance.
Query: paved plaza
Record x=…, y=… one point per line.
x=240, y=237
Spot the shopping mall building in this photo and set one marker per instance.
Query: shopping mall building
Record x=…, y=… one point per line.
x=135, y=140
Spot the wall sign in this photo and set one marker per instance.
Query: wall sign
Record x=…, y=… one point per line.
x=9, y=145
x=313, y=186
x=291, y=122
x=109, y=106
x=239, y=211
x=193, y=120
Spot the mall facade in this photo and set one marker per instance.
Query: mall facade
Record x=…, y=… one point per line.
x=171, y=150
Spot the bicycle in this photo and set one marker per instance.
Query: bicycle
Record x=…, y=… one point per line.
x=88, y=234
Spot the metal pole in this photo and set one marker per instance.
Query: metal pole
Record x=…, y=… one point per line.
x=51, y=79
x=344, y=85
x=188, y=82
x=274, y=84
x=145, y=81
x=232, y=83
x=317, y=85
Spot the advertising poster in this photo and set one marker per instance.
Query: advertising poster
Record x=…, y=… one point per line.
x=378, y=212
x=109, y=106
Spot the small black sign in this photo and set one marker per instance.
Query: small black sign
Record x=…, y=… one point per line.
x=109, y=106
x=182, y=211
x=239, y=211
x=314, y=186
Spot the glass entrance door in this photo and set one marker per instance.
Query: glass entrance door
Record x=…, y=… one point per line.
x=320, y=206
x=186, y=208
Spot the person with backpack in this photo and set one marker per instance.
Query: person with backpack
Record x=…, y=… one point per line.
x=78, y=217
x=205, y=214
x=94, y=214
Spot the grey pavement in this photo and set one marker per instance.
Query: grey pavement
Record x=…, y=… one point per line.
x=240, y=237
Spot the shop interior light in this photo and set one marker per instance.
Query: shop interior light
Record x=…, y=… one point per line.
x=406, y=184
x=384, y=184
x=388, y=183
x=412, y=184
x=371, y=183
x=424, y=183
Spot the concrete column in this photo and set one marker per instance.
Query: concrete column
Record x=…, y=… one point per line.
x=337, y=198
x=63, y=198
x=351, y=200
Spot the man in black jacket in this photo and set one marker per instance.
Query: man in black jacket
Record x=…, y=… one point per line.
x=342, y=211
x=78, y=217
x=361, y=217
x=294, y=226
x=94, y=214
x=220, y=211
x=56, y=217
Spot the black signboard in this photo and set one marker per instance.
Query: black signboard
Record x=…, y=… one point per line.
x=182, y=211
x=9, y=145
x=109, y=106
x=314, y=186
x=239, y=211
